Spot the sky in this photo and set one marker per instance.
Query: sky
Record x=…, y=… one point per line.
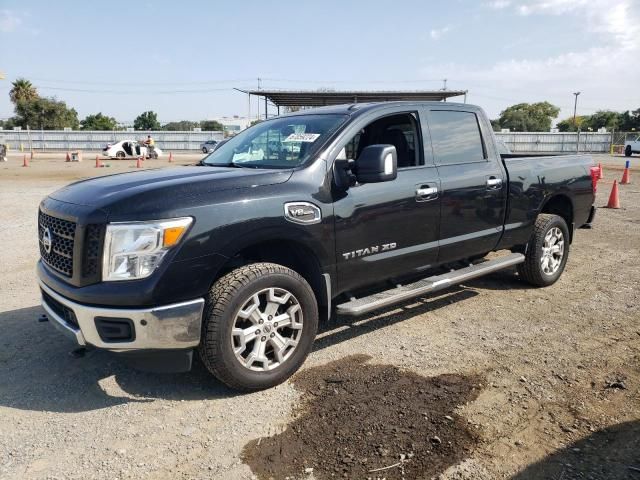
x=183, y=59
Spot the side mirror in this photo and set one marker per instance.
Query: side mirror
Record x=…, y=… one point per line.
x=377, y=163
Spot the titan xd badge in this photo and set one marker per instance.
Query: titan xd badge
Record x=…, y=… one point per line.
x=363, y=252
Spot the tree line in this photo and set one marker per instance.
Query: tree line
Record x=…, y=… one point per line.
x=538, y=117
x=47, y=113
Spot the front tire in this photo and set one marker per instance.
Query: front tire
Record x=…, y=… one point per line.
x=204, y=150
x=547, y=251
x=627, y=151
x=259, y=324
x=120, y=155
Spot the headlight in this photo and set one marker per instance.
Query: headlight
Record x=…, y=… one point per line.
x=134, y=250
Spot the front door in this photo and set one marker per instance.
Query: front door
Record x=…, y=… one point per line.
x=384, y=230
x=473, y=185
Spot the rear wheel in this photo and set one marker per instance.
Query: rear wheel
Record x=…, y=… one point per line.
x=204, y=150
x=627, y=151
x=260, y=321
x=120, y=154
x=547, y=251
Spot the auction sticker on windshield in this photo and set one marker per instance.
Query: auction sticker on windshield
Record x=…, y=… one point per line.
x=302, y=137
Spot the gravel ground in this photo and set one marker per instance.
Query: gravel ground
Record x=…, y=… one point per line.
x=560, y=394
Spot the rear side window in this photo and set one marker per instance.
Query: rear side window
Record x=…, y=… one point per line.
x=455, y=137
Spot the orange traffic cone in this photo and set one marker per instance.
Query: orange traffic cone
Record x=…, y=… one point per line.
x=68, y=159
x=139, y=163
x=25, y=162
x=614, y=199
x=170, y=156
x=98, y=165
x=600, y=172
x=626, y=177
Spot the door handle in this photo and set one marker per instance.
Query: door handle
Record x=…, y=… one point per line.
x=494, y=183
x=424, y=193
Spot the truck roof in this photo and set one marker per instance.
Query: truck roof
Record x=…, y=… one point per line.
x=352, y=108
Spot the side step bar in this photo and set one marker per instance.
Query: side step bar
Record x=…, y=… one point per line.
x=361, y=306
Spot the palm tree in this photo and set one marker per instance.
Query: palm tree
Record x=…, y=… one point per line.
x=23, y=90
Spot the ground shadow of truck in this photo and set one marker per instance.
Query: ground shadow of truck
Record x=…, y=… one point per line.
x=612, y=453
x=37, y=372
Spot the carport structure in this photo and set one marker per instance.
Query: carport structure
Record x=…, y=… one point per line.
x=320, y=98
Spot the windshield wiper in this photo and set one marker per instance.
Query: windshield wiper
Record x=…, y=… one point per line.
x=224, y=165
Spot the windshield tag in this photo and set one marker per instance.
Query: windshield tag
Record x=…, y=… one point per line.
x=302, y=137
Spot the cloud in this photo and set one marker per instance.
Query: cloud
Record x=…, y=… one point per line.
x=437, y=33
x=554, y=78
x=616, y=21
x=603, y=69
x=498, y=4
x=9, y=21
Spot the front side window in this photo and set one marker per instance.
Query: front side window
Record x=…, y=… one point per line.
x=285, y=142
x=455, y=137
x=399, y=130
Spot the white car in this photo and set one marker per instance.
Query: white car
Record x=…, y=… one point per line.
x=130, y=149
x=632, y=146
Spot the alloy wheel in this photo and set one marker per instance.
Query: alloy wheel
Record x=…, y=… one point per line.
x=552, y=251
x=267, y=329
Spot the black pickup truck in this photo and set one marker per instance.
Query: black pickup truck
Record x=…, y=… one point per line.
x=341, y=210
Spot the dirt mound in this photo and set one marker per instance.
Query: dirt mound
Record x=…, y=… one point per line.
x=355, y=419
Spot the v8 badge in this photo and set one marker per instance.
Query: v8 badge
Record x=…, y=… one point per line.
x=305, y=213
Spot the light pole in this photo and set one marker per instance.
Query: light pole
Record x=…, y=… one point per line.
x=575, y=105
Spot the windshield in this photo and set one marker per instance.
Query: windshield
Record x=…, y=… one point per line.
x=285, y=142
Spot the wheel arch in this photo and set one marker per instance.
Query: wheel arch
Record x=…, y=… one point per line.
x=560, y=204
x=289, y=253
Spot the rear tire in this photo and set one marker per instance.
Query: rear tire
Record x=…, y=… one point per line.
x=627, y=151
x=547, y=251
x=120, y=155
x=226, y=346
x=204, y=150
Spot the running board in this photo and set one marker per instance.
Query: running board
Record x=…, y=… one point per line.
x=360, y=306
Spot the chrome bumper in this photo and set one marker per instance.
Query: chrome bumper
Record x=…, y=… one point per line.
x=173, y=326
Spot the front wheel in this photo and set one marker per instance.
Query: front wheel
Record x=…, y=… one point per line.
x=547, y=251
x=627, y=151
x=259, y=325
x=120, y=155
x=204, y=150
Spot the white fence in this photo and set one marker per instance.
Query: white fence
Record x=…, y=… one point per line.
x=52, y=140
x=556, y=142
x=48, y=140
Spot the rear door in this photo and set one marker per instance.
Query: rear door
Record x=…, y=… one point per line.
x=473, y=183
x=388, y=229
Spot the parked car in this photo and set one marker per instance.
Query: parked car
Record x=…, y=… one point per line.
x=632, y=146
x=354, y=209
x=130, y=149
x=208, y=146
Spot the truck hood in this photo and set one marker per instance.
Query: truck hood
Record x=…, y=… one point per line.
x=157, y=186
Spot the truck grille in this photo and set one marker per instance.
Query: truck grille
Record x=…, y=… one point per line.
x=62, y=234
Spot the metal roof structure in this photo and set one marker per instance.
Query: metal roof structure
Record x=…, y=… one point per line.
x=315, y=98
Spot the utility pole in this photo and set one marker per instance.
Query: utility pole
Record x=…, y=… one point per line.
x=258, y=102
x=445, y=84
x=575, y=106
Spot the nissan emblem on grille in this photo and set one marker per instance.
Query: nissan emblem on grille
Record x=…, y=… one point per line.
x=56, y=237
x=46, y=240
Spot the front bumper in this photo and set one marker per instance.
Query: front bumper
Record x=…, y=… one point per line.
x=175, y=326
